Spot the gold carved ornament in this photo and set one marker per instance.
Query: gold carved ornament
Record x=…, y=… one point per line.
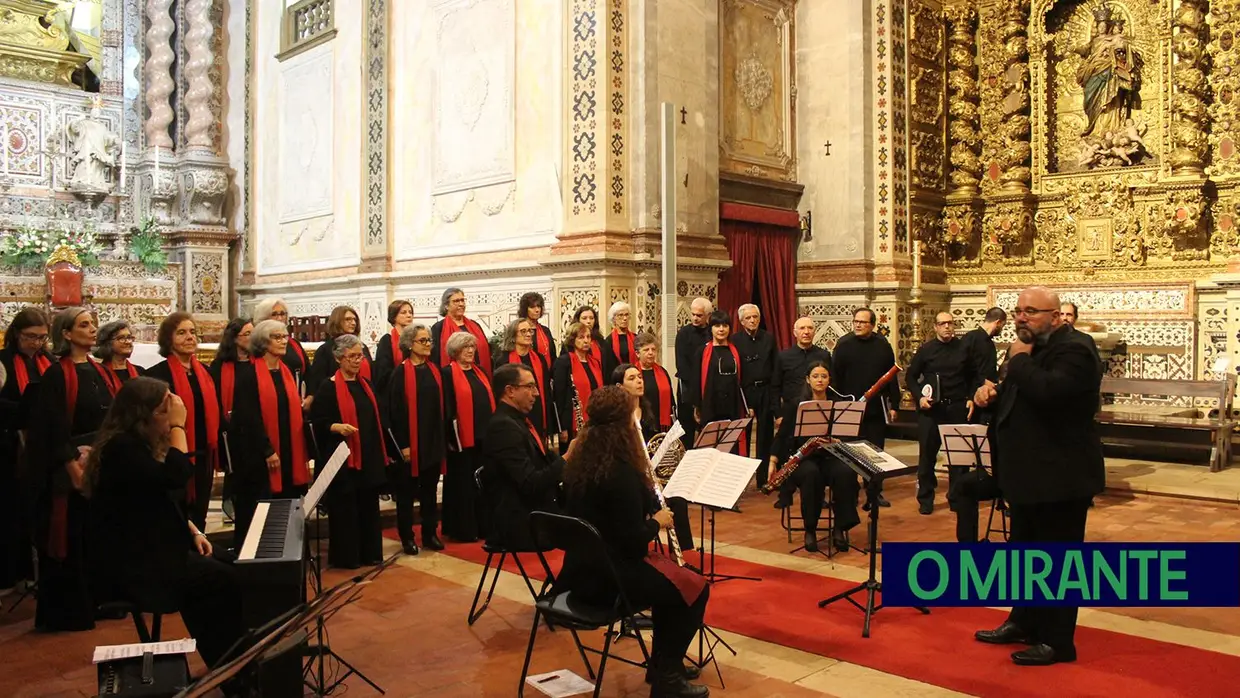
x=1015, y=152
x=1188, y=103
x=1224, y=82
x=962, y=125
x=63, y=254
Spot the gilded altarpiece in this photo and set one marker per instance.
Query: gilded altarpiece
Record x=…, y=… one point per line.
x=1092, y=147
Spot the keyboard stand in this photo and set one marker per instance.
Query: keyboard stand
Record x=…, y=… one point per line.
x=871, y=586
x=316, y=675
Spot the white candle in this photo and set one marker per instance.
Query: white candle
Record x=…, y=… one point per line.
x=917, y=264
x=122, y=182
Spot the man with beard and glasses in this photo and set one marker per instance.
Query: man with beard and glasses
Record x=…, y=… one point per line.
x=1047, y=456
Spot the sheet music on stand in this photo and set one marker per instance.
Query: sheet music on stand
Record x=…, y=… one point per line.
x=311, y=500
x=966, y=445
x=841, y=419
x=722, y=434
x=710, y=477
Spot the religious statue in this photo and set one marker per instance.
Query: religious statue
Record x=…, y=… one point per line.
x=93, y=152
x=1110, y=77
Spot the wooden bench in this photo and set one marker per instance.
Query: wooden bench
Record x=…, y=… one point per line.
x=1159, y=428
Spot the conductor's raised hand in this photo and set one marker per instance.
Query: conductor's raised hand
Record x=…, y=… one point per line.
x=985, y=395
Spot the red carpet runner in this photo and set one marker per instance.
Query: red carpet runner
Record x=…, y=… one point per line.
x=939, y=648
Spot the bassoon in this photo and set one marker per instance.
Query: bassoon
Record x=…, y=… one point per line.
x=818, y=442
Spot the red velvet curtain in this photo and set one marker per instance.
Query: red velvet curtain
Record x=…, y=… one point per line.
x=771, y=249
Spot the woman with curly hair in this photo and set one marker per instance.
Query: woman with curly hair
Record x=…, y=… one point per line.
x=612, y=489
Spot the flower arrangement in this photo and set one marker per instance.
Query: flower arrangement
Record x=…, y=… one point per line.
x=146, y=244
x=30, y=247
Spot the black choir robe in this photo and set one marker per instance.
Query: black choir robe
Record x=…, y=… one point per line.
x=15, y=504
x=66, y=600
x=432, y=447
x=659, y=412
x=355, y=534
x=298, y=361
x=124, y=375
x=204, y=466
x=544, y=338
x=543, y=413
x=250, y=447
x=462, y=516
x=142, y=550
x=388, y=356
x=721, y=397
x=856, y=366
x=565, y=391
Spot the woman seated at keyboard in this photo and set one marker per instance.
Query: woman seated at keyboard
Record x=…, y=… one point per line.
x=144, y=549
x=818, y=470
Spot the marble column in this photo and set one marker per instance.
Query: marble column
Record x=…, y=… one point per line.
x=197, y=71
x=159, y=83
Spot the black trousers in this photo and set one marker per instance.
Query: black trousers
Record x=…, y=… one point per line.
x=812, y=478
x=406, y=489
x=461, y=508
x=763, y=404
x=929, y=443
x=355, y=537
x=675, y=622
x=16, y=560
x=684, y=413
x=967, y=491
x=211, y=606
x=203, y=481
x=1049, y=522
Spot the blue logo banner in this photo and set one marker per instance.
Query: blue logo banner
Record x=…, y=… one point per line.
x=1061, y=574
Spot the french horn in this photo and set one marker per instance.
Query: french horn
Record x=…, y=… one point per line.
x=667, y=465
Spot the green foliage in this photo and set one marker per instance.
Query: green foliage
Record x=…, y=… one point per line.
x=146, y=244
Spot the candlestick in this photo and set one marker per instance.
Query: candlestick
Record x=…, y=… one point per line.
x=122, y=182
x=917, y=264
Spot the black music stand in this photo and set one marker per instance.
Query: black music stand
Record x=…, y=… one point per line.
x=722, y=436
x=834, y=420
x=966, y=446
x=874, y=485
x=282, y=634
x=316, y=675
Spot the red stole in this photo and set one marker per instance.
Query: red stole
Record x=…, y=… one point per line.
x=228, y=383
x=464, y=393
x=536, y=367
x=542, y=448
x=269, y=405
x=348, y=415
x=542, y=340
x=411, y=399
x=58, y=524
x=629, y=357
x=394, y=338
x=482, y=361
x=581, y=382
x=20, y=374
x=300, y=351
x=689, y=583
x=664, y=384
x=180, y=386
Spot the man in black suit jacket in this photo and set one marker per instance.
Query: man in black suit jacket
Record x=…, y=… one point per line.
x=520, y=474
x=1047, y=455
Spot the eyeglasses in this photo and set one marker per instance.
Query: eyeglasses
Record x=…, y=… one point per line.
x=533, y=386
x=862, y=322
x=1034, y=311
x=34, y=337
x=456, y=301
x=526, y=331
x=279, y=337
x=123, y=338
x=279, y=313
x=351, y=357
x=424, y=340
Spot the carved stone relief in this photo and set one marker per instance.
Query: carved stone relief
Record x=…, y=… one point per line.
x=474, y=112
x=306, y=135
x=758, y=89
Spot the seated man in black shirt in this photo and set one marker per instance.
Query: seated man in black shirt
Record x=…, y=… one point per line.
x=520, y=475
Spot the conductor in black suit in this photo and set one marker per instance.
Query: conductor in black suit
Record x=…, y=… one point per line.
x=520, y=474
x=1048, y=458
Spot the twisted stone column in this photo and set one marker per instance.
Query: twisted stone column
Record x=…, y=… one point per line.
x=159, y=83
x=197, y=72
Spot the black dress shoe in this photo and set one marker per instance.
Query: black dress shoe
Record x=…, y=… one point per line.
x=691, y=673
x=1040, y=655
x=1005, y=634
x=674, y=685
x=432, y=542
x=811, y=541
x=882, y=501
x=409, y=547
x=926, y=508
x=840, y=540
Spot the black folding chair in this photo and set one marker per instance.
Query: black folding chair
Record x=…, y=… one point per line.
x=578, y=538
x=139, y=620
x=476, y=611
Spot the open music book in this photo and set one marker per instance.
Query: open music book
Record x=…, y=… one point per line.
x=311, y=500
x=710, y=477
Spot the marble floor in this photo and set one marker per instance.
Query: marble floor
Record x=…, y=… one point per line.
x=408, y=631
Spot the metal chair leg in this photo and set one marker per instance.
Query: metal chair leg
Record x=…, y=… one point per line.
x=602, y=662
x=529, y=651
x=475, y=611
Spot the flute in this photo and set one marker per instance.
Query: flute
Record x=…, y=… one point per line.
x=672, y=435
